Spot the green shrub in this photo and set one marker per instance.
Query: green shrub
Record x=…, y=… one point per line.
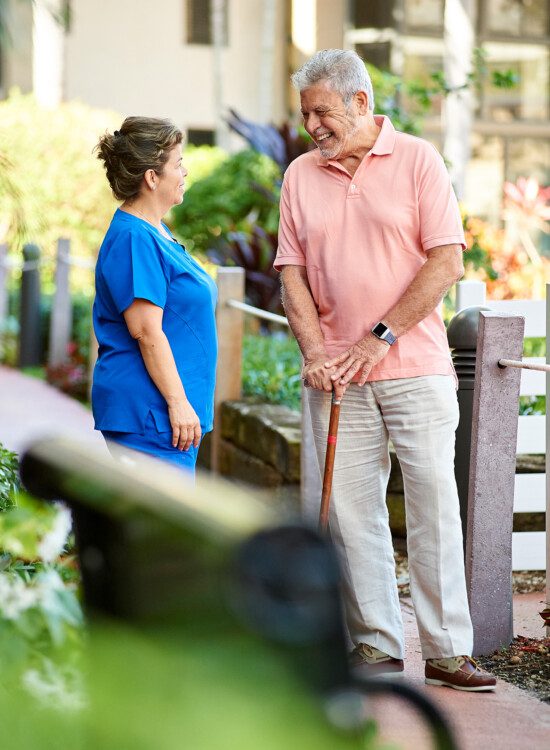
x=533, y=347
x=243, y=183
x=201, y=161
x=271, y=370
x=9, y=340
x=61, y=186
x=9, y=478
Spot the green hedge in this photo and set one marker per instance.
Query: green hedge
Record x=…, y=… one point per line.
x=271, y=370
x=57, y=188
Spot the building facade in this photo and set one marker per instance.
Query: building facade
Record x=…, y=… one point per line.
x=168, y=59
x=510, y=128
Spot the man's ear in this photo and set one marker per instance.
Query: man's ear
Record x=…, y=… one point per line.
x=362, y=101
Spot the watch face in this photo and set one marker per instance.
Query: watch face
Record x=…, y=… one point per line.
x=379, y=329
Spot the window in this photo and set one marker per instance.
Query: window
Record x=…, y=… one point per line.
x=199, y=29
x=517, y=18
x=200, y=137
x=528, y=99
x=375, y=53
x=419, y=68
x=424, y=14
x=372, y=14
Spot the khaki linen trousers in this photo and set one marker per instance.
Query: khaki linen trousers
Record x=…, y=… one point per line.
x=419, y=416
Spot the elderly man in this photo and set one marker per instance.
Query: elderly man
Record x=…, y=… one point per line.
x=370, y=239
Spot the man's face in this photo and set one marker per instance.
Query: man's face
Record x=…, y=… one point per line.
x=331, y=124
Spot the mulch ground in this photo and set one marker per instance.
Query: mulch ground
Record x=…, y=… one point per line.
x=526, y=662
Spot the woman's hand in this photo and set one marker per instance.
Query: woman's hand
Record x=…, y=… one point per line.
x=186, y=428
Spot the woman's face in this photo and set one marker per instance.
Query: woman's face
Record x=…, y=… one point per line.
x=171, y=183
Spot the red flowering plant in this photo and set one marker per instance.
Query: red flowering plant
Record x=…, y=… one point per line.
x=526, y=213
x=507, y=260
x=70, y=376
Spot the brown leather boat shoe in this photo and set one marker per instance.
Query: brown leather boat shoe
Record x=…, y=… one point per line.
x=367, y=661
x=459, y=673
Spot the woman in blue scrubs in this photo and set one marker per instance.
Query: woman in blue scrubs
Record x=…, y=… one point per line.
x=154, y=310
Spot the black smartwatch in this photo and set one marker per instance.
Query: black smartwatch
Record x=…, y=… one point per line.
x=382, y=332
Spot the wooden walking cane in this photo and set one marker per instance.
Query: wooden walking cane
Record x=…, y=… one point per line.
x=329, y=462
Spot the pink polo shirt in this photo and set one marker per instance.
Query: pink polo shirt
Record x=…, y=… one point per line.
x=364, y=239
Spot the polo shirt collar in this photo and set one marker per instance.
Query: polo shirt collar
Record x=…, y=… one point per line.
x=383, y=145
x=386, y=137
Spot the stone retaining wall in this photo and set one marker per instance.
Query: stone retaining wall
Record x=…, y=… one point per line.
x=261, y=446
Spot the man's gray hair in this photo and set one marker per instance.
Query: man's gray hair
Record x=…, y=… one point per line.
x=343, y=70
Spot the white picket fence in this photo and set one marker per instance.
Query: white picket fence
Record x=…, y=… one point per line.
x=528, y=547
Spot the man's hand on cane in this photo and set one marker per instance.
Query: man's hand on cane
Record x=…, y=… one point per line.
x=361, y=357
x=315, y=374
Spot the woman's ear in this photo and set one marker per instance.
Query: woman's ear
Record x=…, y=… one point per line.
x=151, y=179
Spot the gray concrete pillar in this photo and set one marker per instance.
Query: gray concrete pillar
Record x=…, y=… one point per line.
x=492, y=472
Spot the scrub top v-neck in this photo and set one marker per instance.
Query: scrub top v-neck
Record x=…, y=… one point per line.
x=136, y=261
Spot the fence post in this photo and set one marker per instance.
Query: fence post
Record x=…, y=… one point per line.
x=62, y=311
x=470, y=294
x=3, y=281
x=230, y=344
x=492, y=472
x=30, y=349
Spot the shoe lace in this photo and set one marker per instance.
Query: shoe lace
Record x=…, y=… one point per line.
x=477, y=667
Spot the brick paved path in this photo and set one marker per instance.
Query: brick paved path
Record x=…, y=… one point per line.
x=508, y=719
x=31, y=409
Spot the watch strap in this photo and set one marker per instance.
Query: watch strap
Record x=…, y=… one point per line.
x=381, y=331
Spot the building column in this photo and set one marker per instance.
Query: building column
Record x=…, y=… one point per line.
x=48, y=52
x=459, y=36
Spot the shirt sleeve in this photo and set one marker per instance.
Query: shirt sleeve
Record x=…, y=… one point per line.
x=440, y=220
x=289, y=251
x=134, y=269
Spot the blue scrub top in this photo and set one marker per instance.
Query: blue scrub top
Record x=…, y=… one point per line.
x=137, y=262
